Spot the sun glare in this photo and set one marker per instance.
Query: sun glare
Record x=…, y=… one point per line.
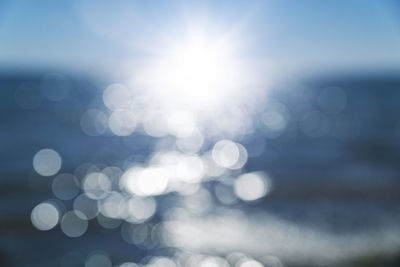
x=198, y=72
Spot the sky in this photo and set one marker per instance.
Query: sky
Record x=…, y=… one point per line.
x=282, y=36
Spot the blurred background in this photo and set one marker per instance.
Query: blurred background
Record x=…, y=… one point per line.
x=199, y=133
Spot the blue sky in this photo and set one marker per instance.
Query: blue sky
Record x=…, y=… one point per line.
x=285, y=35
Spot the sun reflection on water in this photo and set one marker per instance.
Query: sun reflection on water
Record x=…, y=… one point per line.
x=185, y=189
x=193, y=102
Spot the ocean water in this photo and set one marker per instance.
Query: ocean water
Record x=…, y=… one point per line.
x=329, y=147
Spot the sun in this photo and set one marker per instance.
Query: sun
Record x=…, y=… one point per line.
x=200, y=70
x=197, y=72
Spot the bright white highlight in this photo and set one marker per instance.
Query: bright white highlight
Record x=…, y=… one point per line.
x=252, y=186
x=145, y=181
x=47, y=162
x=96, y=185
x=229, y=154
x=197, y=73
x=198, y=69
x=251, y=263
x=138, y=210
x=45, y=216
x=117, y=96
x=122, y=122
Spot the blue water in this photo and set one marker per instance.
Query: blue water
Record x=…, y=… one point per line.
x=343, y=182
